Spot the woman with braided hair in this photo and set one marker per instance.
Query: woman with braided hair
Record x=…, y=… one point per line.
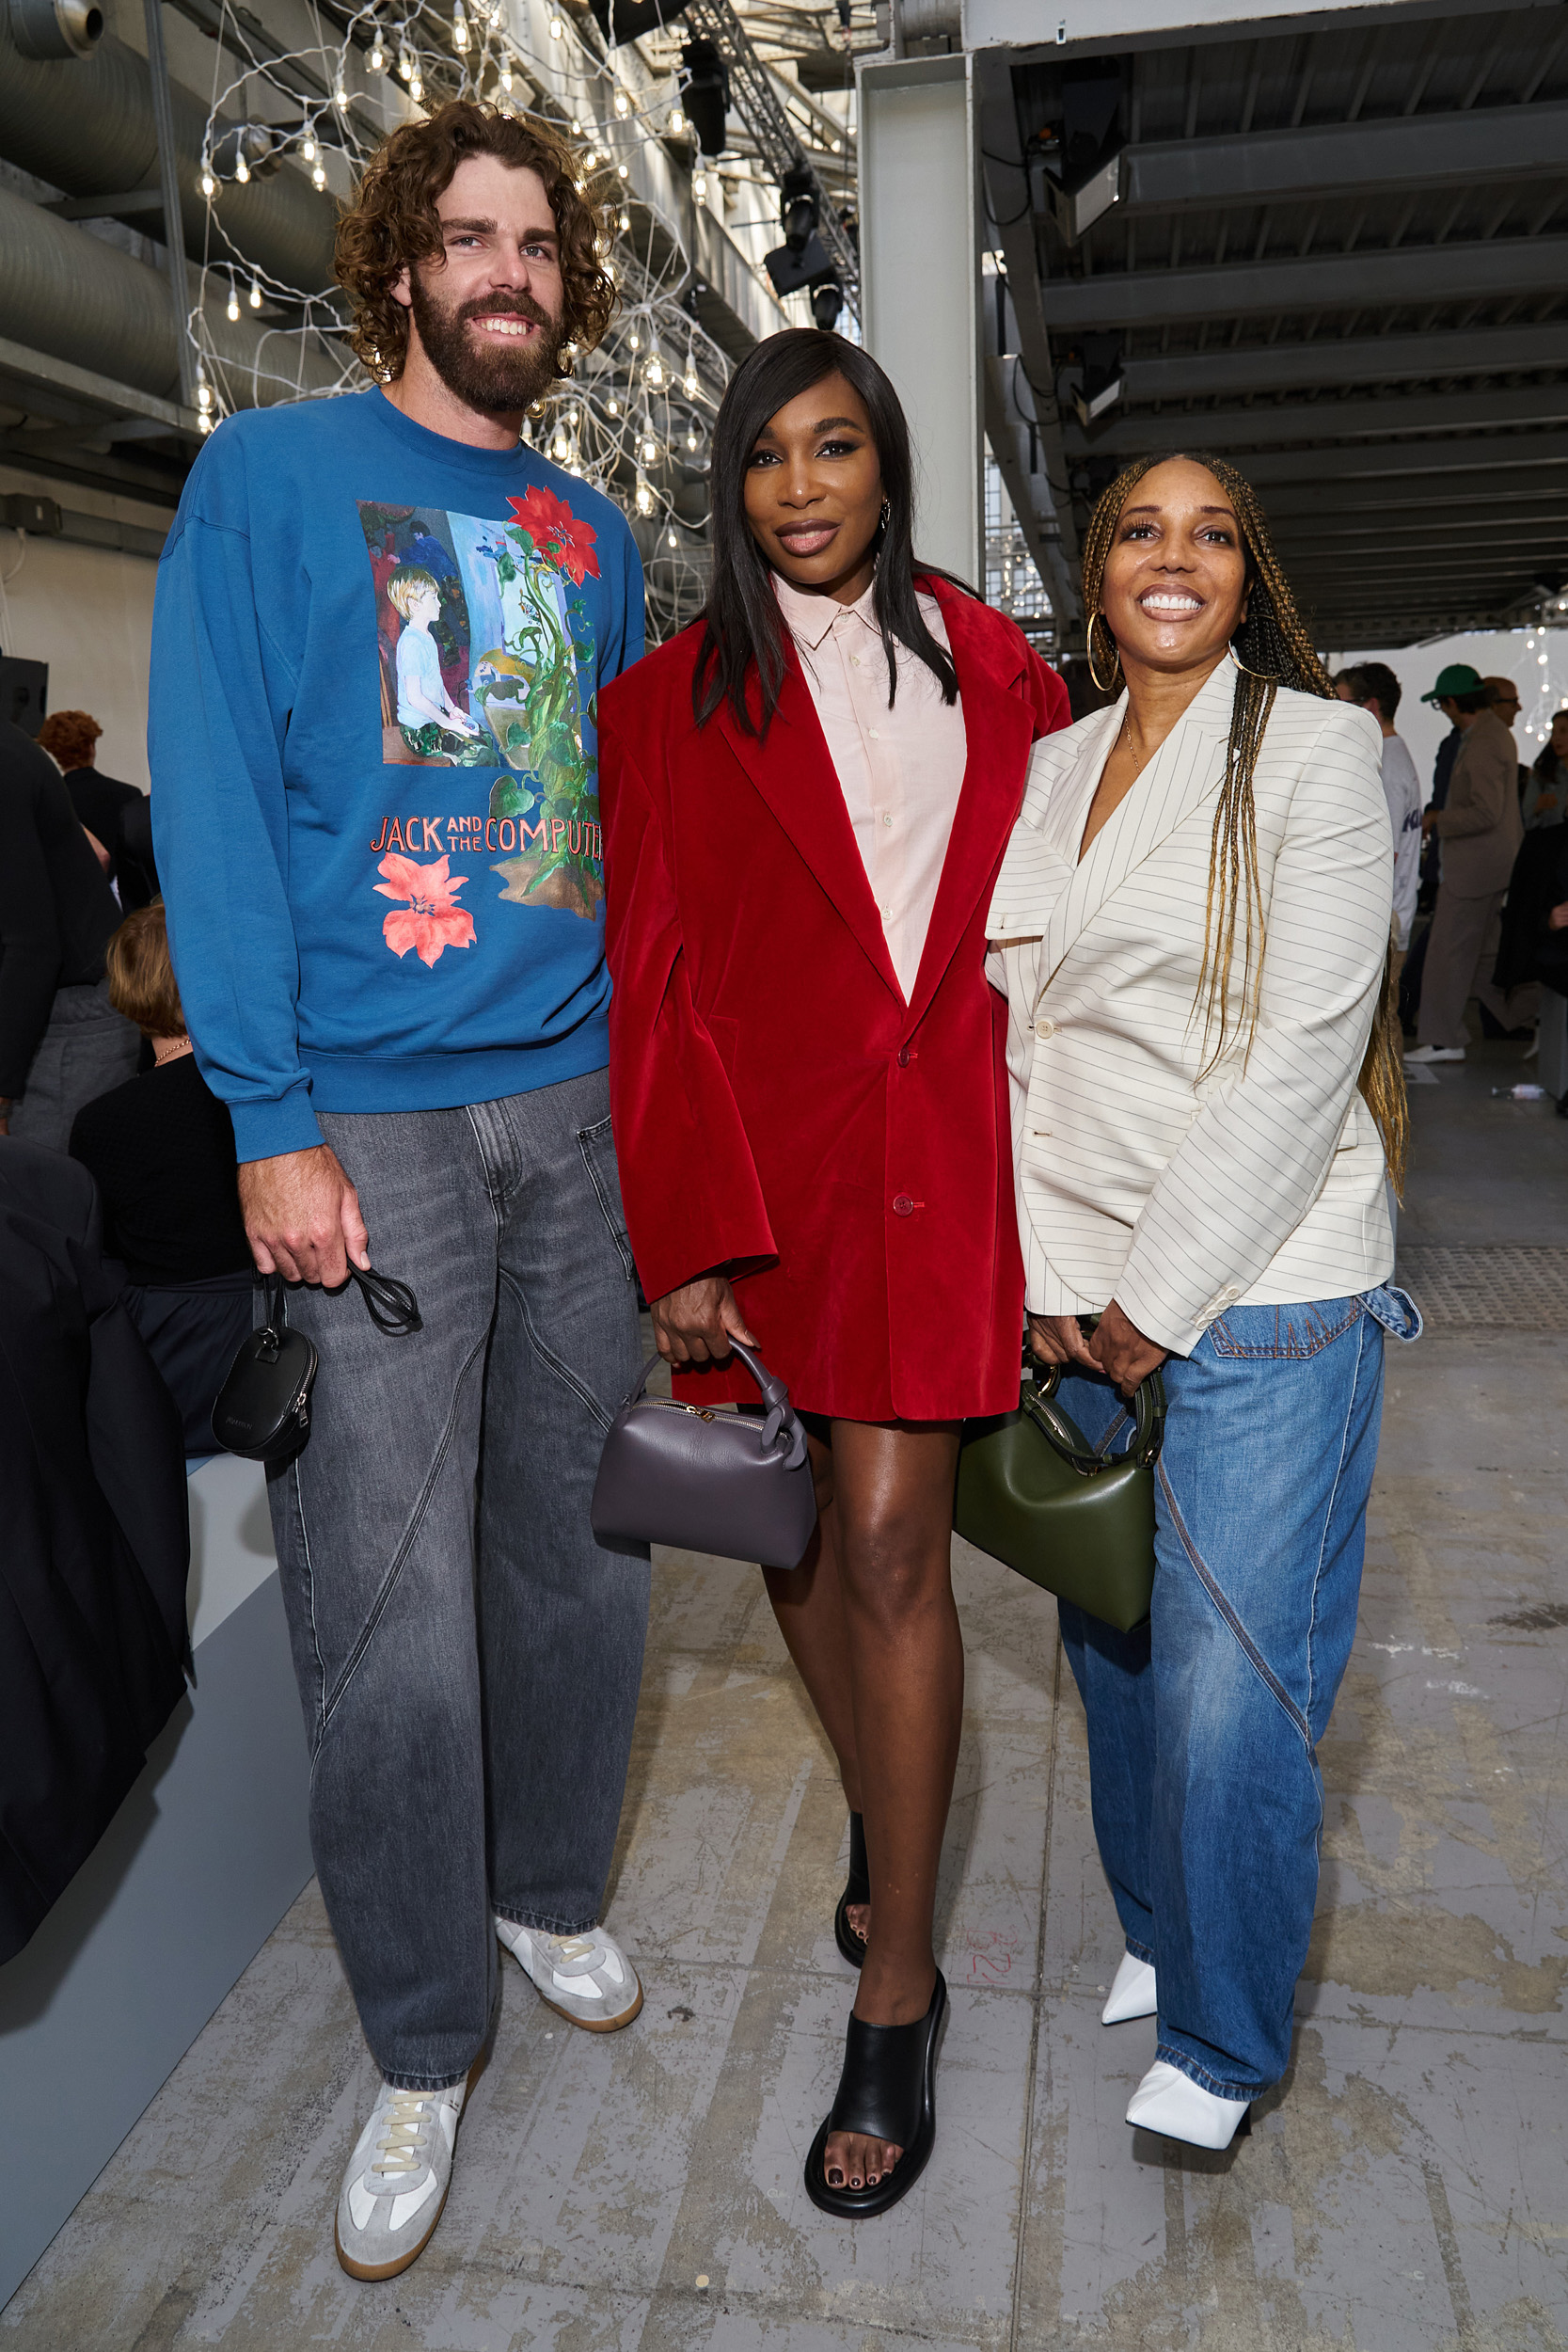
x=1192, y=930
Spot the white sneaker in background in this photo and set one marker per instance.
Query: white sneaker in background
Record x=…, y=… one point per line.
x=1131, y=1992
x=395, y=2188
x=586, y=1979
x=1420, y=1054
x=1170, y=2102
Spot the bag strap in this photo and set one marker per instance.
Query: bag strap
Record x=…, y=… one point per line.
x=1149, y=1408
x=390, y=1305
x=781, y=1420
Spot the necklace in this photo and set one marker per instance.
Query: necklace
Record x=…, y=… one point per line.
x=175, y=1045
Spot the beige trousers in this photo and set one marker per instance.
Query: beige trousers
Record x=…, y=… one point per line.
x=1459, y=955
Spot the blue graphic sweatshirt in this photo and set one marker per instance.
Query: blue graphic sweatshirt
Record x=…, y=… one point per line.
x=375, y=660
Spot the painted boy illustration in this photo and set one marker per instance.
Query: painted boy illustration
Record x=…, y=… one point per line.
x=430, y=722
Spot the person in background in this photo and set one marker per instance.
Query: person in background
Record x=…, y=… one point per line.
x=1545, y=800
x=61, y=1040
x=1480, y=830
x=1372, y=686
x=1442, y=770
x=161, y=1150
x=101, y=803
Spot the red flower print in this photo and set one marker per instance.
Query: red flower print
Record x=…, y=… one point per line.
x=433, y=919
x=557, y=533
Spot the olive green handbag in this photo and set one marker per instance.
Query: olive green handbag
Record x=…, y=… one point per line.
x=1033, y=1492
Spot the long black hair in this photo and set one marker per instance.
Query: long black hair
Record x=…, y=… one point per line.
x=744, y=634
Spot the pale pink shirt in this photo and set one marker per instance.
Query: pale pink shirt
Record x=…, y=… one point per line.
x=900, y=771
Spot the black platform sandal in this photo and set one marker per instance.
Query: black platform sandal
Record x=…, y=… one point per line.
x=857, y=1891
x=886, y=2092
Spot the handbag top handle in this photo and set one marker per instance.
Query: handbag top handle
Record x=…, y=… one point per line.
x=1149, y=1408
x=775, y=1395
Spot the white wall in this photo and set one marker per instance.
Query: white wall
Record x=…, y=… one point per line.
x=1498, y=653
x=87, y=612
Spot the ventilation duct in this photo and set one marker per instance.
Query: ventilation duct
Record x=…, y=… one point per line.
x=76, y=299
x=56, y=28
x=85, y=124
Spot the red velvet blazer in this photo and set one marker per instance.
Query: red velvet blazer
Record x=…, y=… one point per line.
x=780, y=1110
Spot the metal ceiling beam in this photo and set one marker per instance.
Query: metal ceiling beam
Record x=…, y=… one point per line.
x=1323, y=422
x=1344, y=359
x=1486, y=269
x=1503, y=494
x=1339, y=158
x=1442, y=460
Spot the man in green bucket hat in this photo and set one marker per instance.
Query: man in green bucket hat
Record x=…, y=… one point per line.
x=1480, y=828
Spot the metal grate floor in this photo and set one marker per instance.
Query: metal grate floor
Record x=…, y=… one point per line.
x=1525, y=1288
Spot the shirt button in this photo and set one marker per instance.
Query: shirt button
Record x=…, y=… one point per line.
x=903, y=1206
x=856, y=659
x=1045, y=1026
x=873, y=734
x=887, y=821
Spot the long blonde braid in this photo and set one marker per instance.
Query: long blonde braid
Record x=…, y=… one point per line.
x=1272, y=649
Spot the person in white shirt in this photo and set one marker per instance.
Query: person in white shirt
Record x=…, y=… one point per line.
x=1372, y=687
x=1191, y=928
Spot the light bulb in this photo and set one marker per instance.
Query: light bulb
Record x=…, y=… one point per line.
x=308, y=149
x=318, y=176
x=650, y=451
x=623, y=172
x=654, y=373
x=613, y=406
x=561, y=448
x=635, y=340
x=506, y=79
x=205, y=421
x=255, y=293
x=623, y=104
x=590, y=157
x=339, y=97
x=459, y=29
x=671, y=541
x=689, y=382
x=203, y=395
x=698, y=185
x=576, y=127
x=416, y=88
x=405, y=64
x=209, y=185
x=558, y=30
x=691, y=441
x=677, y=121
x=233, y=304
x=624, y=220
x=645, y=497
x=242, y=169
x=378, y=56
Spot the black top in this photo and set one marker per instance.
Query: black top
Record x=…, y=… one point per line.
x=162, y=1149
x=57, y=909
x=117, y=814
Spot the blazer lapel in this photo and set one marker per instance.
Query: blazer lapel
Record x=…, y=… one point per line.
x=1043, y=854
x=1183, y=771
x=998, y=726
x=793, y=771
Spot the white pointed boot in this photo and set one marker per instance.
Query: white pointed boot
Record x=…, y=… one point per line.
x=1170, y=2102
x=1131, y=1992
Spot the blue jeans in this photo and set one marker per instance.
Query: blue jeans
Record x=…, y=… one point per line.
x=468, y=1658
x=1204, y=1723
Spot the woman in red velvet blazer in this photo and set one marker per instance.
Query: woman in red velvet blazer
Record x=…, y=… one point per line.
x=810, y=1152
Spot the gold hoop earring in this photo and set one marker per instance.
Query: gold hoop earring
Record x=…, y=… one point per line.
x=1238, y=663
x=1105, y=686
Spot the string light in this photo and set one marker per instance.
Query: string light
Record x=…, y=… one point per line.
x=255, y=293
x=576, y=127
x=699, y=186
x=653, y=374
x=677, y=122
x=645, y=495
x=689, y=382
x=209, y=185
x=622, y=103
x=558, y=30
x=377, y=57
x=459, y=28
x=318, y=176
x=234, y=303
x=416, y=88
x=506, y=78
x=339, y=96
x=691, y=441
x=613, y=406
x=242, y=169
x=624, y=220
x=623, y=171
x=634, y=340
x=671, y=540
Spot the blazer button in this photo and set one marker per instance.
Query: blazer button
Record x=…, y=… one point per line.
x=903, y=1057
x=1045, y=1027
x=903, y=1206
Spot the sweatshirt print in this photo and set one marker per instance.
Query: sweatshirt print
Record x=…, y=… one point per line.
x=377, y=661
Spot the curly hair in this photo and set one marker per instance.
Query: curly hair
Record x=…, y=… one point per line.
x=69, y=736
x=1272, y=647
x=393, y=224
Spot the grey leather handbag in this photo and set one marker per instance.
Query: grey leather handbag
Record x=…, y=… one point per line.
x=708, y=1481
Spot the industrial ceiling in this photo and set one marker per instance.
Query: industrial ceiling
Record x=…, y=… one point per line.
x=1334, y=251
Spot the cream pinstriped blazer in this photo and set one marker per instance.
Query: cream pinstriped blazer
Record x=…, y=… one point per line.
x=1264, y=1182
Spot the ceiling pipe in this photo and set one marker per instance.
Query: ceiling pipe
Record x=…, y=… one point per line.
x=85, y=125
x=76, y=299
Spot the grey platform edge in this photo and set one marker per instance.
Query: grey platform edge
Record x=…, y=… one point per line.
x=199, y=1863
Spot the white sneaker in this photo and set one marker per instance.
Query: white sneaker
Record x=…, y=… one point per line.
x=1420, y=1054
x=586, y=1979
x=395, y=2189
x=1131, y=1992
x=1170, y=2102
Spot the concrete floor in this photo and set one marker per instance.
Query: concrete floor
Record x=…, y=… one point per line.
x=1404, y=2190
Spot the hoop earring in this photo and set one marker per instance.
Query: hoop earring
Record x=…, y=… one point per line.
x=1237, y=663
x=1105, y=686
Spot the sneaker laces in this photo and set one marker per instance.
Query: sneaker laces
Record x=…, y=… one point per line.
x=574, y=1946
x=401, y=2146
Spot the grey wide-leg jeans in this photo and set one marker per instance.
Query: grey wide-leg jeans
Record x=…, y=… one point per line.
x=468, y=1659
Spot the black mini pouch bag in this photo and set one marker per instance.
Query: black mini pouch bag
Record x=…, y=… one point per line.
x=264, y=1407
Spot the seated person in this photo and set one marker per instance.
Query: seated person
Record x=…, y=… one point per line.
x=161, y=1149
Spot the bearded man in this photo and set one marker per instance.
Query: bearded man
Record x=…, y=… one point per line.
x=385, y=905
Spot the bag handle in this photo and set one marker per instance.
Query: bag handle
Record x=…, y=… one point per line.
x=782, y=1419
x=1149, y=1407
x=390, y=1305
